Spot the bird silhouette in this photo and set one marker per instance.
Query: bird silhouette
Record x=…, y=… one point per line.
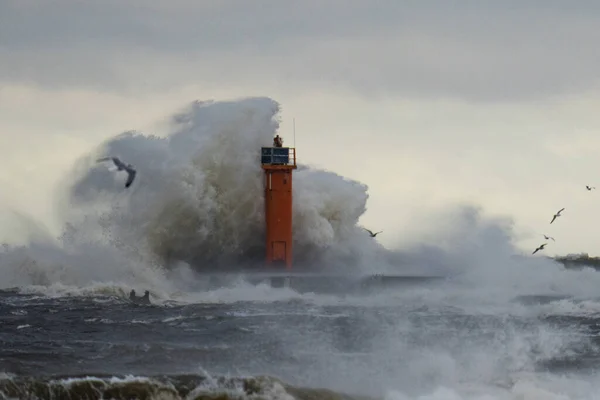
x=548, y=237
x=589, y=187
x=539, y=248
x=131, y=172
x=557, y=214
x=371, y=233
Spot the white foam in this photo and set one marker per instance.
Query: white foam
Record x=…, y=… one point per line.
x=524, y=388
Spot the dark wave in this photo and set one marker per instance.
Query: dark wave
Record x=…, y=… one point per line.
x=196, y=387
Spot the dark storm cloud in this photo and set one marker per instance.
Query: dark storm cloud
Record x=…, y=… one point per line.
x=476, y=50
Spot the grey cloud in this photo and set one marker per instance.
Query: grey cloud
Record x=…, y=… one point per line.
x=480, y=50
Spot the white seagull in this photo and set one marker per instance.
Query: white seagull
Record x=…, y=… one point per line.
x=131, y=172
x=557, y=214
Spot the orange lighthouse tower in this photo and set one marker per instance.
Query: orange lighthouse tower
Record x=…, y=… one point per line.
x=278, y=162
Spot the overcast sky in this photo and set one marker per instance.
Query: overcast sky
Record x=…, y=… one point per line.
x=489, y=102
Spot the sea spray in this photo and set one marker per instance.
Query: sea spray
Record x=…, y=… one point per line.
x=198, y=198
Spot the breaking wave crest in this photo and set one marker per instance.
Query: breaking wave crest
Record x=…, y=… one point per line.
x=197, y=387
x=204, y=387
x=199, y=195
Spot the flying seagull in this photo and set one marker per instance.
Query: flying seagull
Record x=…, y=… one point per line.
x=548, y=237
x=589, y=187
x=122, y=166
x=371, y=232
x=539, y=248
x=557, y=215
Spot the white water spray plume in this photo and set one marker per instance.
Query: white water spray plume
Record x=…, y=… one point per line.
x=198, y=200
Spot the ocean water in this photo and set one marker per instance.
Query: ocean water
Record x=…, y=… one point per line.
x=498, y=326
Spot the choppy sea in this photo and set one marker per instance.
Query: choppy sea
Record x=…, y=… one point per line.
x=394, y=344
